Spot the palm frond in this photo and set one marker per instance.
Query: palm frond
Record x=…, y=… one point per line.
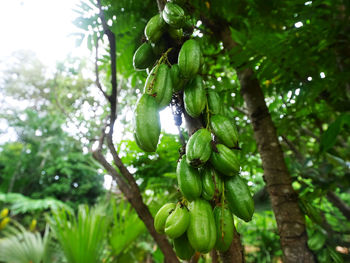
x=22, y=246
x=126, y=229
x=81, y=237
x=22, y=204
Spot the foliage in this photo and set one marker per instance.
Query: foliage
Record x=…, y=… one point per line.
x=299, y=53
x=154, y=171
x=22, y=246
x=20, y=204
x=260, y=238
x=82, y=237
x=47, y=162
x=127, y=227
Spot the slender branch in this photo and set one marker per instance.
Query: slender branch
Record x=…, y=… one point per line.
x=97, y=80
x=112, y=53
x=291, y=146
x=97, y=154
x=118, y=162
x=113, y=172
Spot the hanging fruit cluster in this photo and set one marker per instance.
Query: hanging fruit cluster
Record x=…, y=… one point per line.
x=208, y=173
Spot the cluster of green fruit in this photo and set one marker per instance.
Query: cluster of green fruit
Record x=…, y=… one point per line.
x=208, y=173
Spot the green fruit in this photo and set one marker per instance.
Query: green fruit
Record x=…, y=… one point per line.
x=177, y=222
x=183, y=248
x=238, y=198
x=224, y=130
x=174, y=15
x=214, y=102
x=146, y=123
x=225, y=160
x=178, y=81
x=189, y=59
x=198, y=148
x=188, y=179
x=175, y=34
x=143, y=57
x=194, y=97
x=201, y=231
x=212, y=184
x=162, y=215
x=224, y=228
x=159, y=85
x=155, y=28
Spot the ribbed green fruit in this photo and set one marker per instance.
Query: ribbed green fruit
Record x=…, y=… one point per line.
x=162, y=215
x=183, y=248
x=224, y=228
x=188, y=179
x=225, y=160
x=201, y=231
x=177, y=222
x=146, y=123
x=144, y=57
x=159, y=85
x=214, y=102
x=194, y=97
x=174, y=15
x=178, y=81
x=238, y=198
x=155, y=28
x=224, y=130
x=212, y=183
x=189, y=59
x=198, y=148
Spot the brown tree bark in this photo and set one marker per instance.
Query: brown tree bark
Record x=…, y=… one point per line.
x=284, y=200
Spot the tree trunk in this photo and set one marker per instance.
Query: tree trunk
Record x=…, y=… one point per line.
x=284, y=200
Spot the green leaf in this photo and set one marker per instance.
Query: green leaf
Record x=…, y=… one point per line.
x=238, y=37
x=329, y=137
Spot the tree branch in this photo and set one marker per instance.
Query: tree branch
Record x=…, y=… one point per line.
x=291, y=146
x=112, y=53
x=97, y=80
x=337, y=202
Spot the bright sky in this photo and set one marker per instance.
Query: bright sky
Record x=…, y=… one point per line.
x=39, y=25
x=44, y=26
